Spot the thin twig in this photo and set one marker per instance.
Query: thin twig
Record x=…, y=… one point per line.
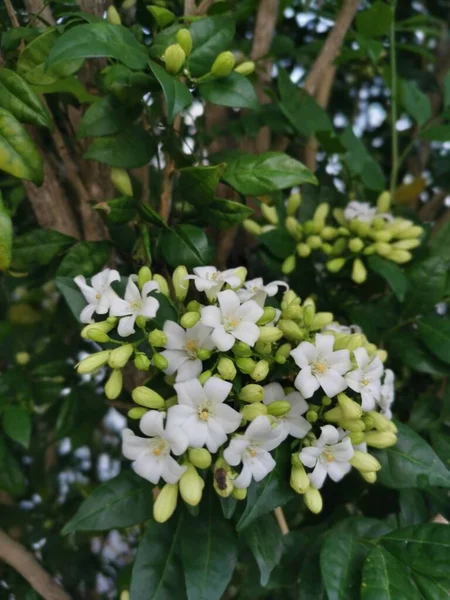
x=281, y=520
x=11, y=13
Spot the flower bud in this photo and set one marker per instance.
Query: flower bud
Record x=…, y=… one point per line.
x=174, y=58
x=163, y=285
x=203, y=377
x=157, y=338
x=242, y=350
x=378, y=223
x=260, y=371
x=356, y=437
x=290, y=329
x=193, y=306
x=223, y=65
x=369, y=477
x=321, y=212
x=314, y=242
x=113, y=17
x=239, y=493
x=411, y=232
x=334, y=415
x=269, y=334
x=283, y=353
x=246, y=68
x=355, y=245
x=289, y=264
x=184, y=38
x=303, y=250
x=200, y=458
x=245, y=365
x=166, y=503
x=191, y=486
x=338, y=214
x=144, y=276
x=278, y=408
x=119, y=357
x=293, y=203
x=380, y=439
x=222, y=481
x=93, y=362
x=141, y=322
x=144, y=396
x=160, y=361
x=328, y=233
x=352, y=424
x=312, y=416
x=180, y=283
x=251, y=393
x=136, y=413
x=172, y=401
x=299, y=479
x=350, y=408
x=356, y=341
x=335, y=264
x=406, y=244
x=269, y=213
x=384, y=202
x=309, y=312
x=359, y=271
x=113, y=386
x=380, y=422
x=120, y=178
x=96, y=334
x=226, y=368
x=399, y=256
x=289, y=298
x=293, y=227
x=321, y=320
x=383, y=248
x=203, y=354
x=103, y=326
x=313, y=500
x=293, y=311
x=252, y=411
x=252, y=227
x=263, y=348
x=382, y=355
x=189, y=319
x=364, y=462
x=268, y=316
x=22, y=358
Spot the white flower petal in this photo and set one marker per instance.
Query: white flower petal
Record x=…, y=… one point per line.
x=304, y=355
x=222, y=340
x=324, y=344
x=150, y=308
x=229, y=418
x=309, y=456
x=337, y=470
x=149, y=467
x=297, y=427
x=132, y=293
x=306, y=382
x=149, y=287
x=119, y=308
x=126, y=326
x=190, y=393
x=175, y=359
x=318, y=476
x=217, y=390
x=132, y=445
x=177, y=415
x=332, y=383
x=261, y=465
x=176, y=336
x=152, y=423
x=215, y=435
x=87, y=314
x=329, y=436
x=247, y=332
x=343, y=451
x=361, y=357
x=273, y=392
x=190, y=369
x=340, y=361
x=244, y=478
x=171, y=471
x=228, y=302
x=233, y=454
x=196, y=430
x=211, y=316
x=250, y=311
x=259, y=429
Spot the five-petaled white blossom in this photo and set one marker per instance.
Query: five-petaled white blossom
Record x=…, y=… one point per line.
x=252, y=449
x=151, y=456
x=329, y=455
x=136, y=304
x=256, y=290
x=366, y=378
x=211, y=281
x=181, y=349
x=292, y=423
x=387, y=394
x=232, y=320
x=362, y=211
x=99, y=294
x=202, y=414
x=320, y=366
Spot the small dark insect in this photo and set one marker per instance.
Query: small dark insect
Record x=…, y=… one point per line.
x=221, y=478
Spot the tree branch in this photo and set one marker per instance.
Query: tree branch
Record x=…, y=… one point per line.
x=11, y=13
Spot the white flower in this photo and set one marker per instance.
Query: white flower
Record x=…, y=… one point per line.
x=136, y=304
x=362, y=211
x=202, y=414
x=232, y=320
x=366, y=378
x=321, y=367
x=257, y=291
x=182, y=345
x=328, y=456
x=292, y=423
x=387, y=394
x=99, y=294
x=151, y=455
x=211, y=281
x=252, y=449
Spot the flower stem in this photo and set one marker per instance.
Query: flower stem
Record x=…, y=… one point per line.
x=394, y=99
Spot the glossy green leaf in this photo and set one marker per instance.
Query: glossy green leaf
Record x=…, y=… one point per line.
x=107, y=116
x=361, y=163
x=186, y=245
x=120, y=502
x=413, y=510
x=440, y=243
x=176, y=93
x=152, y=216
x=265, y=540
x=254, y=175
x=72, y=295
x=407, y=347
x=384, y=578
x=12, y=38
x=376, y=20
x=436, y=133
x=199, y=184
x=235, y=91
x=128, y=149
x=432, y=588
x=441, y=444
x=126, y=85
x=427, y=280
x=93, y=40
x=6, y=236
x=12, y=479
x=435, y=334
x=18, y=154
x=38, y=247
x=69, y=85
x=310, y=577
x=392, y=273
x=85, y=258
x=17, y=97
x=162, y=16
x=278, y=242
x=119, y=210
x=17, y=424
x=223, y=213
x=411, y=463
x=210, y=37
x=415, y=102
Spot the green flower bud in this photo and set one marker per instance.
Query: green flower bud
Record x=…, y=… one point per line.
x=200, y=458
x=172, y=401
x=382, y=236
x=321, y=212
x=93, y=362
x=293, y=204
x=270, y=213
x=290, y=329
x=245, y=365
x=335, y=264
x=359, y=271
x=157, y=338
x=239, y=493
x=141, y=322
x=409, y=244
x=113, y=386
x=268, y=316
x=160, y=361
x=334, y=415
x=263, y=348
x=191, y=486
x=321, y=320
x=383, y=248
x=242, y=350
x=260, y=371
x=144, y=276
x=251, y=411
x=369, y=477
x=289, y=264
x=350, y=408
x=293, y=227
x=312, y=416
x=356, y=437
x=251, y=393
x=120, y=177
x=166, y=503
x=113, y=17
x=364, y=462
x=411, y=232
x=180, y=283
x=203, y=378
x=399, y=256
x=326, y=401
x=382, y=355
x=189, y=319
x=309, y=312
x=328, y=233
x=22, y=358
x=299, y=479
x=293, y=311
x=222, y=481
x=355, y=245
x=356, y=341
x=279, y=408
x=289, y=298
x=380, y=422
x=184, y=38
x=313, y=500
x=102, y=326
x=226, y=368
x=174, y=58
x=223, y=65
x=163, y=285
x=119, y=357
x=269, y=334
x=378, y=223
x=193, y=306
x=246, y=68
x=384, y=202
x=252, y=227
x=144, y=396
x=352, y=424
x=314, y=242
x=136, y=413
x=338, y=214
x=303, y=250
x=283, y=353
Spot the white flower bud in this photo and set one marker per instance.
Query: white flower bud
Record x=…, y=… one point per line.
x=166, y=503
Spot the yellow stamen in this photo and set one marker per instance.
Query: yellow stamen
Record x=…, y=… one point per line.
x=98, y=296
x=320, y=368
x=157, y=451
x=330, y=458
x=252, y=452
x=204, y=415
x=191, y=345
x=365, y=382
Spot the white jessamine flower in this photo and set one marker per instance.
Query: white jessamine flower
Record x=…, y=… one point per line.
x=99, y=294
x=387, y=394
x=136, y=304
x=362, y=211
x=151, y=455
x=232, y=321
x=257, y=291
x=329, y=455
x=321, y=367
x=366, y=379
x=292, y=423
x=181, y=349
x=202, y=414
x=211, y=281
x=252, y=449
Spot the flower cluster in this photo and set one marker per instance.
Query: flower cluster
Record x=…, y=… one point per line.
x=230, y=379
x=355, y=232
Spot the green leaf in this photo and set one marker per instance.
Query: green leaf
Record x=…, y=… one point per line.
x=376, y=20
x=68, y=85
x=85, y=258
x=32, y=61
x=6, y=236
x=17, y=424
x=446, y=86
x=38, y=247
x=413, y=509
x=254, y=175
x=435, y=334
x=265, y=540
x=278, y=242
x=209, y=552
x=12, y=479
x=392, y=273
x=101, y=39
x=199, y=184
x=176, y=93
x=415, y=102
x=427, y=281
x=162, y=16
x=210, y=37
x=441, y=444
x=186, y=245
x=128, y=149
x=411, y=463
x=120, y=502
x=436, y=133
x=72, y=295
x=223, y=213
x=234, y=91
x=18, y=154
x=311, y=580
x=432, y=589
x=119, y=210
x=21, y=101
x=384, y=578
x=157, y=572
x=152, y=216
x=361, y=163
x=407, y=347
x=440, y=244
x=107, y=116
